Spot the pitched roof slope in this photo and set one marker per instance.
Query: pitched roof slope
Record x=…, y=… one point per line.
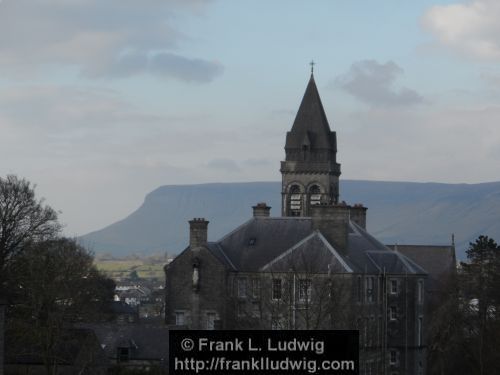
x=263, y=243
x=260, y=240
x=438, y=261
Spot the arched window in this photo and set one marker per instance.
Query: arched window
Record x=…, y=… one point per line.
x=295, y=200
x=314, y=195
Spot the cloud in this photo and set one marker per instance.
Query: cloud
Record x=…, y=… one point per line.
x=163, y=64
x=186, y=69
x=112, y=38
x=372, y=83
x=472, y=29
x=224, y=164
x=491, y=78
x=429, y=147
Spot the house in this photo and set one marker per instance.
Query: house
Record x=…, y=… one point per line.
x=134, y=347
x=313, y=267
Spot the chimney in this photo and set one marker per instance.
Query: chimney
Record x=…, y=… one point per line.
x=358, y=215
x=261, y=210
x=332, y=221
x=198, y=233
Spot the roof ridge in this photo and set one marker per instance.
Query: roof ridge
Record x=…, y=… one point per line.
x=225, y=255
x=288, y=251
x=334, y=252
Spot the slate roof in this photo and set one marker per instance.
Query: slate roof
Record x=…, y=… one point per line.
x=313, y=254
x=311, y=125
x=277, y=243
x=271, y=237
x=144, y=341
x=438, y=261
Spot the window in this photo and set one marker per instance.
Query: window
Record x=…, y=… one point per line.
x=304, y=290
x=420, y=291
x=314, y=195
x=379, y=330
x=393, y=357
x=242, y=288
x=255, y=288
x=276, y=289
x=369, y=289
x=211, y=317
x=394, y=286
x=123, y=354
x=180, y=318
x=252, y=241
x=277, y=322
x=419, y=331
x=380, y=289
x=241, y=310
x=295, y=201
x=393, y=313
x=365, y=332
x=255, y=310
x=359, y=289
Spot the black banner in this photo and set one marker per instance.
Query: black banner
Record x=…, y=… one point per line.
x=263, y=352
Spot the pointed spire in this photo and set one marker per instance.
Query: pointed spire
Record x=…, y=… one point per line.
x=311, y=121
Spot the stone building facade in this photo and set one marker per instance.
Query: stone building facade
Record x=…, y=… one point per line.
x=313, y=267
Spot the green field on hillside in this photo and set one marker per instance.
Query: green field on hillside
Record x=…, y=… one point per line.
x=119, y=269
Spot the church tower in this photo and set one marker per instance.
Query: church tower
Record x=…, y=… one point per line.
x=310, y=172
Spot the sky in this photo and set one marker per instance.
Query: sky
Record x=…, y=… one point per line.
x=102, y=102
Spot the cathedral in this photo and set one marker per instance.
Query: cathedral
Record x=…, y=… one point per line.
x=313, y=267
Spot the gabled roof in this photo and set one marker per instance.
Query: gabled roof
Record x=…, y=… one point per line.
x=310, y=125
x=313, y=254
x=145, y=342
x=438, y=261
x=265, y=244
x=260, y=240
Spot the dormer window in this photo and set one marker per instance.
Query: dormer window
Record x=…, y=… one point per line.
x=252, y=241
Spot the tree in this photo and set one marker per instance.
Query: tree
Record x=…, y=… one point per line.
x=23, y=219
x=480, y=279
x=55, y=284
x=134, y=276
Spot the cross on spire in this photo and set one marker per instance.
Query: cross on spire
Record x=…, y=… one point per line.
x=312, y=63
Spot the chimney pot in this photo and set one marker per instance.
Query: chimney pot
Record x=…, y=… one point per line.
x=261, y=209
x=198, y=233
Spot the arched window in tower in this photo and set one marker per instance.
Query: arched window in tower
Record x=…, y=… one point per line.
x=295, y=201
x=314, y=195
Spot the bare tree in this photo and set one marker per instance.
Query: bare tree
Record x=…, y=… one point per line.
x=299, y=291
x=23, y=218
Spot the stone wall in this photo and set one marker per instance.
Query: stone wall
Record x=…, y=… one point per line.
x=208, y=296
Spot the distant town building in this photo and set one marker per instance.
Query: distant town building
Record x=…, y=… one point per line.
x=314, y=267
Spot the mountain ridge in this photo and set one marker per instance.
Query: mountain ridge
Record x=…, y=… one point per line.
x=398, y=212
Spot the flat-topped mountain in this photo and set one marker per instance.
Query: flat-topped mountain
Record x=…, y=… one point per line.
x=398, y=212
